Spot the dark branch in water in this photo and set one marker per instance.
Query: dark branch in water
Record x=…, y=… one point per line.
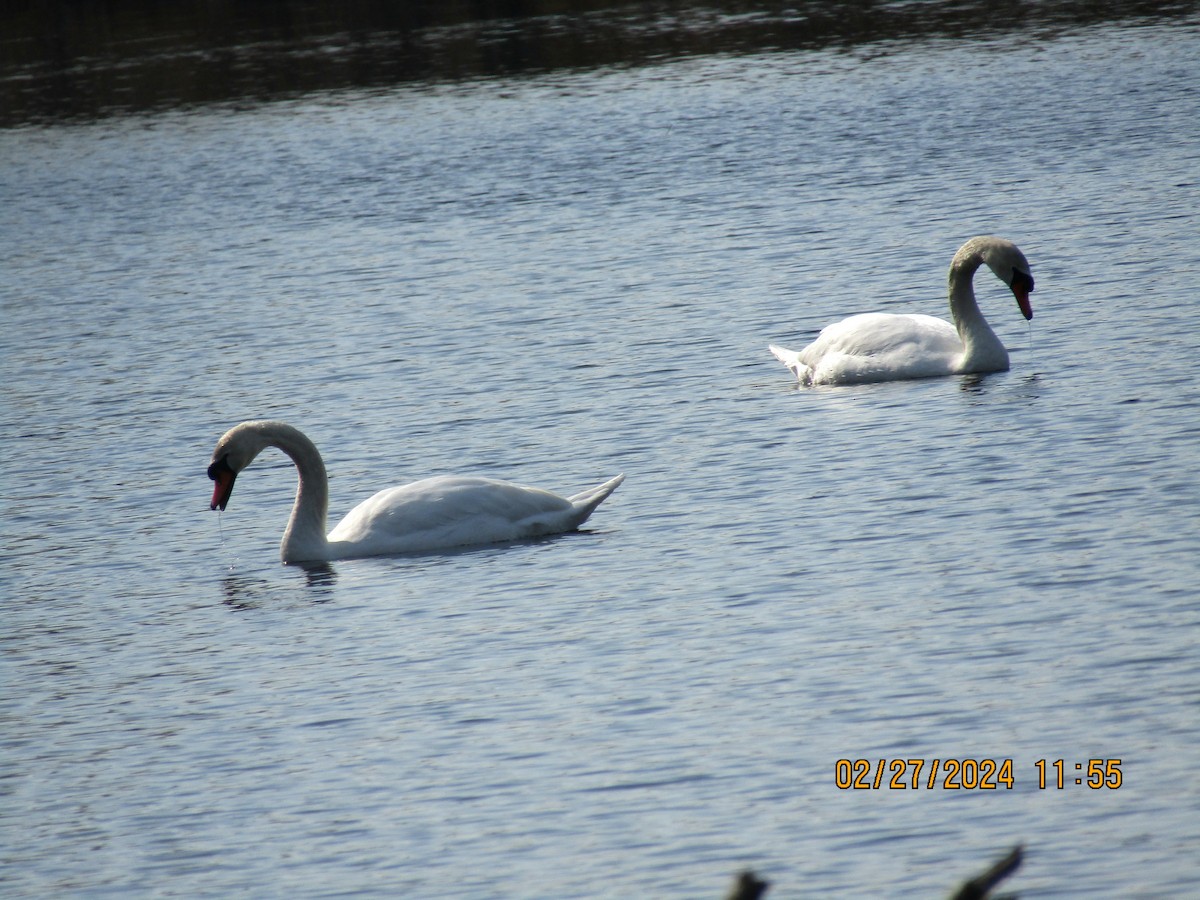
x=981, y=885
x=748, y=886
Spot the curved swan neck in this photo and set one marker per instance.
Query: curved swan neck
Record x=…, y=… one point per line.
x=981, y=347
x=304, y=538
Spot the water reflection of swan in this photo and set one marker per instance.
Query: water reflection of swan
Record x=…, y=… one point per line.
x=250, y=591
x=320, y=575
x=435, y=513
x=890, y=347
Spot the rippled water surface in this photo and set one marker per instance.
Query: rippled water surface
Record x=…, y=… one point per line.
x=554, y=278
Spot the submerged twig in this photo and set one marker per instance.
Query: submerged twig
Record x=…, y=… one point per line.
x=981, y=885
x=747, y=886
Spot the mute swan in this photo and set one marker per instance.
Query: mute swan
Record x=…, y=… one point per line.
x=890, y=347
x=431, y=514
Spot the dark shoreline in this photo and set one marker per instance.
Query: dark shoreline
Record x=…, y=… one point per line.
x=86, y=59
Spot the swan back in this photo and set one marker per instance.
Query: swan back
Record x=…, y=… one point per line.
x=458, y=511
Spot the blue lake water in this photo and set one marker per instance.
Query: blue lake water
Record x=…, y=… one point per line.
x=557, y=277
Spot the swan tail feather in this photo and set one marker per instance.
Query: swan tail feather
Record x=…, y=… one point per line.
x=791, y=359
x=585, y=502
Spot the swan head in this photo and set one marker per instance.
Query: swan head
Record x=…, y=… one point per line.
x=1009, y=264
x=234, y=451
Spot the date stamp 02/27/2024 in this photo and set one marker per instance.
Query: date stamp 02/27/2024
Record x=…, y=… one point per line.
x=973, y=774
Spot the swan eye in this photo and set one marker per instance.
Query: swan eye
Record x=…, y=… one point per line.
x=1022, y=280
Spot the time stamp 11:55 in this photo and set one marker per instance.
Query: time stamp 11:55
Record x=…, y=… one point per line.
x=972, y=774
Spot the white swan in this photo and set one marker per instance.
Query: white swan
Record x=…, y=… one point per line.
x=432, y=514
x=890, y=347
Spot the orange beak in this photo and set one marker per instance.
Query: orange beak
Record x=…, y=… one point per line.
x=1022, y=284
x=1022, y=296
x=224, y=478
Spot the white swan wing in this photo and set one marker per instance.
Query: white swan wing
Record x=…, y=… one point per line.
x=876, y=347
x=454, y=511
